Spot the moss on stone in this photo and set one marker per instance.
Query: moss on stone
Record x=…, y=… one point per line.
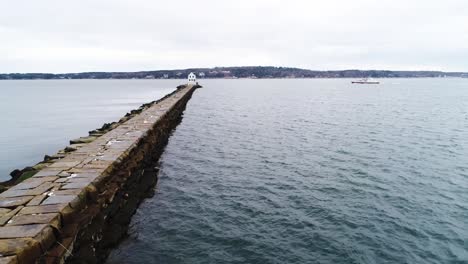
x=25, y=175
x=40, y=165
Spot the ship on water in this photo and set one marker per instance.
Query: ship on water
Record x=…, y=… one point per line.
x=365, y=81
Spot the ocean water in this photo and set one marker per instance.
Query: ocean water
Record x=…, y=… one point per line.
x=39, y=117
x=311, y=171
x=276, y=171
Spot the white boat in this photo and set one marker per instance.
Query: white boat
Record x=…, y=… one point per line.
x=366, y=81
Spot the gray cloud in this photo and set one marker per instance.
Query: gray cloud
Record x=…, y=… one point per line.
x=85, y=35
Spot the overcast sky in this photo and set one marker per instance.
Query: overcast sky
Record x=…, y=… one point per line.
x=100, y=35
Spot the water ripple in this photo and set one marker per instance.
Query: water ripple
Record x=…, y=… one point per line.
x=311, y=171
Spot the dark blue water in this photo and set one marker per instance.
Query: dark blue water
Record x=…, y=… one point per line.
x=40, y=117
x=311, y=171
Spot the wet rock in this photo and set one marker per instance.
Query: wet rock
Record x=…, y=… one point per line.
x=74, y=147
x=108, y=126
x=48, y=158
x=136, y=112
x=124, y=119
x=70, y=149
x=25, y=175
x=16, y=173
x=17, y=176
x=83, y=140
x=96, y=133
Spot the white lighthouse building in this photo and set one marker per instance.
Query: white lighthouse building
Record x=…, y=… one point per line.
x=192, y=78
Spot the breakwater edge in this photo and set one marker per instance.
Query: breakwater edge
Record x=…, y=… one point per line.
x=76, y=204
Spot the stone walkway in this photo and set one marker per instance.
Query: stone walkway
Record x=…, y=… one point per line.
x=34, y=214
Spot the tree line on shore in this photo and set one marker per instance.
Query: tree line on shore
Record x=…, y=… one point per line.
x=235, y=72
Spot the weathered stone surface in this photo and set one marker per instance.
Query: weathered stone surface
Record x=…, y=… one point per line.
x=75, y=185
x=47, y=172
x=59, y=199
x=79, y=202
x=69, y=215
x=36, y=191
x=80, y=180
x=32, y=183
x=64, y=174
x=110, y=157
x=21, y=231
x=65, y=164
x=46, y=238
x=61, y=180
x=13, y=193
x=42, y=209
x=56, y=187
x=3, y=211
x=6, y=217
x=26, y=249
x=41, y=189
x=8, y=260
x=88, y=174
x=51, y=218
x=61, y=249
x=98, y=164
x=69, y=192
x=84, y=170
x=37, y=200
x=14, y=201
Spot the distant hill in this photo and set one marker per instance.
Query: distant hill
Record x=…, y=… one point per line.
x=235, y=72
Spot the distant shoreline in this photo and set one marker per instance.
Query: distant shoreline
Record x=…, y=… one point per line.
x=235, y=73
x=297, y=78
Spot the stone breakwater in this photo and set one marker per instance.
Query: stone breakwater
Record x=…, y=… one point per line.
x=76, y=208
x=19, y=175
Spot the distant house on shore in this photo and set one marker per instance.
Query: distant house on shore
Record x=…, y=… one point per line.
x=192, y=78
